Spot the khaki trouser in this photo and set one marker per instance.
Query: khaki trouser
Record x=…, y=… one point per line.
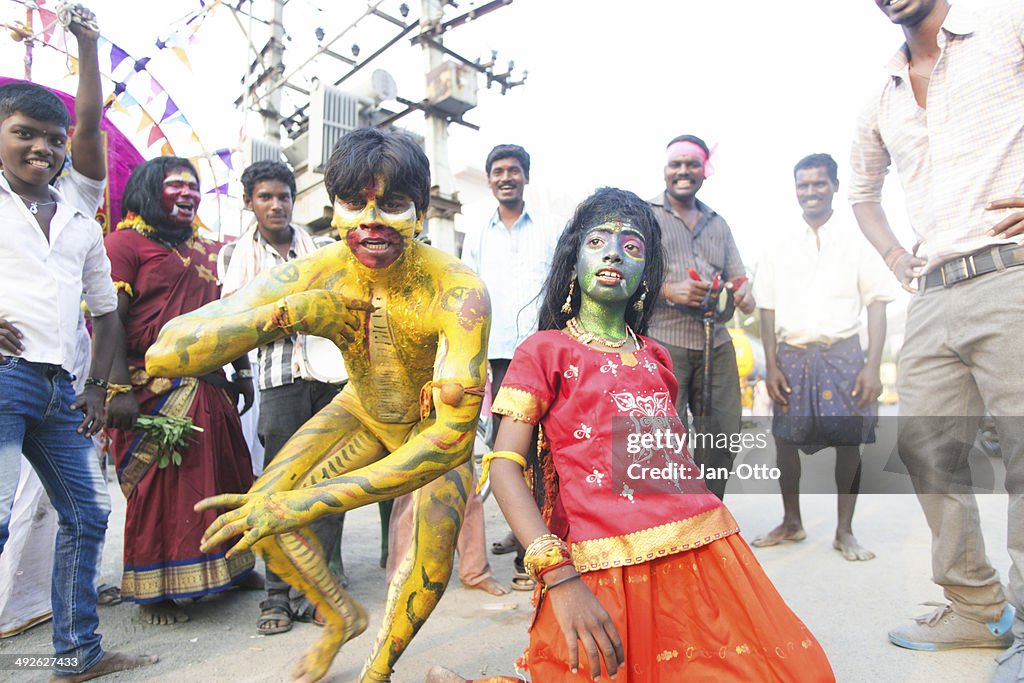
x=963, y=356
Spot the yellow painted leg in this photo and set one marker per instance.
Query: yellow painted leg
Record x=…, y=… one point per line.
x=423, y=575
x=329, y=444
x=298, y=559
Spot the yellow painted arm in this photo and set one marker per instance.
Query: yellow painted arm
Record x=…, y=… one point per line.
x=274, y=305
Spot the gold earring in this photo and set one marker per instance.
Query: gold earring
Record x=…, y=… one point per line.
x=638, y=305
x=567, y=306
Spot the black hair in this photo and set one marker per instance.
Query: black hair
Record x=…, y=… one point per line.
x=824, y=161
x=366, y=153
x=690, y=138
x=607, y=203
x=267, y=170
x=506, y=152
x=145, y=185
x=33, y=101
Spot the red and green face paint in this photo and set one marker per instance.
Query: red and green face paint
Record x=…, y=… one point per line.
x=377, y=224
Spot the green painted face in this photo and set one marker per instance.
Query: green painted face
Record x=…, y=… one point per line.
x=610, y=263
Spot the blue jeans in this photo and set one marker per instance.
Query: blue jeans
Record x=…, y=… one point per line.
x=36, y=419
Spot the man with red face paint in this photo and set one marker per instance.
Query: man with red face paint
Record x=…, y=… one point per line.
x=411, y=322
x=162, y=268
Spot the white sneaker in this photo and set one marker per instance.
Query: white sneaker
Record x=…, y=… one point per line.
x=943, y=629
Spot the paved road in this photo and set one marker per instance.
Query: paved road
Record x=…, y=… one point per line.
x=848, y=606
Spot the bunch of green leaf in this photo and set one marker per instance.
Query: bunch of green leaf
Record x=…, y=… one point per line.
x=170, y=434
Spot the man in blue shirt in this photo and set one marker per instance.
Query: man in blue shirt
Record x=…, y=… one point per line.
x=512, y=254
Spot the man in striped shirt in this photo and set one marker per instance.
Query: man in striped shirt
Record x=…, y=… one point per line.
x=289, y=393
x=697, y=241
x=950, y=115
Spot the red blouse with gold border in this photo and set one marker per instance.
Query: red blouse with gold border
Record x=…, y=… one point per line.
x=580, y=396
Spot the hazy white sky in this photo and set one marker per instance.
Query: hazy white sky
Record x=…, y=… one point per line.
x=609, y=84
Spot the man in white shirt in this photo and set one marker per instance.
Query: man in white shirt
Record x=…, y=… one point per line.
x=812, y=286
x=512, y=254
x=53, y=256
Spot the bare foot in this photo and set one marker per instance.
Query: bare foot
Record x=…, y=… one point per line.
x=111, y=663
x=439, y=674
x=162, y=613
x=318, y=658
x=783, y=532
x=851, y=549
x=488, y=585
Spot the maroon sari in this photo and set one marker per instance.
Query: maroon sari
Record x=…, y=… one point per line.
x=162, y=532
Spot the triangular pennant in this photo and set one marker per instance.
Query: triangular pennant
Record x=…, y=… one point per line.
x=146, y=121
x=169, y=110
x=225, y=156
x=117, y=55
x=116, y=105
x=177, y=118
x=221, y=189
x=49, y=20
x=194, y=138
x=181, y=55
x=72, y=66
x=128, y=100
x=154, y=134
x=166, y=150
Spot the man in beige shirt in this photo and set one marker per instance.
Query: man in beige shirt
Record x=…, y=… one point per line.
x=948, y=115
x=812, y=286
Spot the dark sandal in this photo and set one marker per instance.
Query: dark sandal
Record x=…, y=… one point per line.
x=274, y=613
x=521, y=581
x=108, y=596
x=505, y=545
x=308, y=613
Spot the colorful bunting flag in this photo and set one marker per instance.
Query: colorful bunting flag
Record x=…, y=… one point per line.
x=169, y=110
x=49, y=21
x=117, y=55
x=225, y=156
x=155, y=134
x=182, y=56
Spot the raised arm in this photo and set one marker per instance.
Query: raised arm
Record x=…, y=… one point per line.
x=276, y=304
x=87, y=141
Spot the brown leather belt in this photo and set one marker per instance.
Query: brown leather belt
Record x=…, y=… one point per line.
x=971, y=266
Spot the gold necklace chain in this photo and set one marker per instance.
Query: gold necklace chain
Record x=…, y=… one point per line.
x=583, y=336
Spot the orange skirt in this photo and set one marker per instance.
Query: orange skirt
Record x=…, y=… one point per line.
x=709, y=614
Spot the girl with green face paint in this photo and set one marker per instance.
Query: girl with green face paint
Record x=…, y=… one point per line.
x=610, y=267
x=638, y=577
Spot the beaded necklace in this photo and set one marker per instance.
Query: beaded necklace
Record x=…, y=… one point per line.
x=581, y=335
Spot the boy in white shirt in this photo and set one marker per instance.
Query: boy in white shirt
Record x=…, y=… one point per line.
x=52, y=257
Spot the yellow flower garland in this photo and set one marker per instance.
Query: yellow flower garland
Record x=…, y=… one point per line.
x=133, y=221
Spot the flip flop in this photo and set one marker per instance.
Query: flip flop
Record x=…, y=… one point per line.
x=274, y=613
